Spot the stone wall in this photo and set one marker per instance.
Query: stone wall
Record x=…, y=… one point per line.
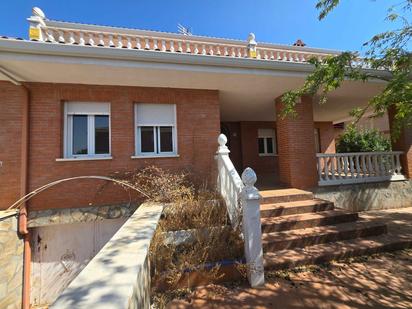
x=78, y=215
x=11, y=261
x=371, y=196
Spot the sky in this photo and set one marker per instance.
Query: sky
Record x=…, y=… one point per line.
x=351, y=24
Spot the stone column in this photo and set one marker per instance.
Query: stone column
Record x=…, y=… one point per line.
x=252, y=229
x=403, y=143
x=296, y=146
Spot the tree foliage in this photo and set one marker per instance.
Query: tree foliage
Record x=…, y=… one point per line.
x=354, y=140
x=387, y=58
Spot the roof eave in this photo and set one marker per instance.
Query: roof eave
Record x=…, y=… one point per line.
x=18, y=47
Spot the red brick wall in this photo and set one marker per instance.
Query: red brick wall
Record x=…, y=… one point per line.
x=327, y=136
x=12, y=99
x=198, y=126
x=250, y=152
x=296, y=146
x=244, y=149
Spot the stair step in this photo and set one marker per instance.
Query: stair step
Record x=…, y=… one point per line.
x=284, y=195
x=322, y=253
x=294, y=208
x=324, y=234
x=294, y=222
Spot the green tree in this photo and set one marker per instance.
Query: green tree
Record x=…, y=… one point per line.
x=387, y=58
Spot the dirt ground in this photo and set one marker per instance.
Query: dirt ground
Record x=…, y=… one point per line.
x=378, y=281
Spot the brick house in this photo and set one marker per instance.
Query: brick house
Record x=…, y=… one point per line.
x=79, y=99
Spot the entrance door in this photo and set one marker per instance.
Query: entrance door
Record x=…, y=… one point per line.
x=232, y=132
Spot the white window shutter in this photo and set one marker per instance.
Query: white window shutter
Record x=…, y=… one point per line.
x=266, y=133
x=155, y=114
x=88, y=108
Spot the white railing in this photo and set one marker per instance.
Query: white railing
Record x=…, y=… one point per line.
x=44, y=30
x=358, y=167
x=242, y=200
x=187, y=45
x=229, y=184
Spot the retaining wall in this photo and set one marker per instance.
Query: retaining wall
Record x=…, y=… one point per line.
x=11, y=261
x=371, y=196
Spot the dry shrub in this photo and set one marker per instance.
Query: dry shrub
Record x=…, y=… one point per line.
x=202, y=210
x=187, y=207
x=158, y=184
x=213, y=241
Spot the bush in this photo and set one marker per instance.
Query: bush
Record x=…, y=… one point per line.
x=354, y=140
x=187, y=207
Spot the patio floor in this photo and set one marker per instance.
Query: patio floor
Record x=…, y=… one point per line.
x=379, y=281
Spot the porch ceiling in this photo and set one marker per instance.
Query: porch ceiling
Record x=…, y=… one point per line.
x=247, y=88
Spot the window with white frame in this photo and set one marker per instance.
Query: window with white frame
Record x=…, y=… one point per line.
x=267, y=142
x=86, y=129
x=155, y=129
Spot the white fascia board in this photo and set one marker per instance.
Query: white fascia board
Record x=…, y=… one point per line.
x=54, y=51
x=61, y=53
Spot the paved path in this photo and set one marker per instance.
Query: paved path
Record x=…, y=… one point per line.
x=381, y=281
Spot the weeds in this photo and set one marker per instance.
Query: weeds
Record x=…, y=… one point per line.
x=187, y=207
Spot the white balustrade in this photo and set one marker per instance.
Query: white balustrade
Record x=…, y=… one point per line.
x=242, y=200
x=61, y=37
x=228, y=182
x=91, y=40
x=72, y=40
x=129, y=42
x=101, y=41
x=358, y=167
x=168, y=42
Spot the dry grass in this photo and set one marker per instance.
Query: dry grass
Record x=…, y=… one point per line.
x=197, y=208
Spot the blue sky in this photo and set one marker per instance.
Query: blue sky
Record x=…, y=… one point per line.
x=275, y=21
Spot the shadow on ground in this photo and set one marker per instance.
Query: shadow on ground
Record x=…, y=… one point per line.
x=379, y=281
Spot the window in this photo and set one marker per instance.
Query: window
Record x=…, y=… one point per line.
x=86, y=129
x=155, y=129
x=266, y=142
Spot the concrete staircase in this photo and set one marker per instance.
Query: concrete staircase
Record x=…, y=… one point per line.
x=298, y=229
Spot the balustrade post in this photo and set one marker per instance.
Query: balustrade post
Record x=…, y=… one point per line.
x=320, y=168
x=251, y=46
x=222, y=151
x=36, y=22
x=250, y=201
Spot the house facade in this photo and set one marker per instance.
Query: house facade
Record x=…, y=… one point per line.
x=82, y=100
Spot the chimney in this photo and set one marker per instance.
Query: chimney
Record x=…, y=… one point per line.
x=299, y=43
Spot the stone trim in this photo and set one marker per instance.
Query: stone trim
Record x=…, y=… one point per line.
x=76, y=215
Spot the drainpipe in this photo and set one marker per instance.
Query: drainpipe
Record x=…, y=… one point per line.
x=23, y=230
x=24, y=161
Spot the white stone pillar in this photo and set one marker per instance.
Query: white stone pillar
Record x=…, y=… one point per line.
x=252, y=231
x=251, y=46
x=36, y=22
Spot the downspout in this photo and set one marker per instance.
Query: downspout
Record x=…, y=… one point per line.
x=23, y=229
x=23, y=213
